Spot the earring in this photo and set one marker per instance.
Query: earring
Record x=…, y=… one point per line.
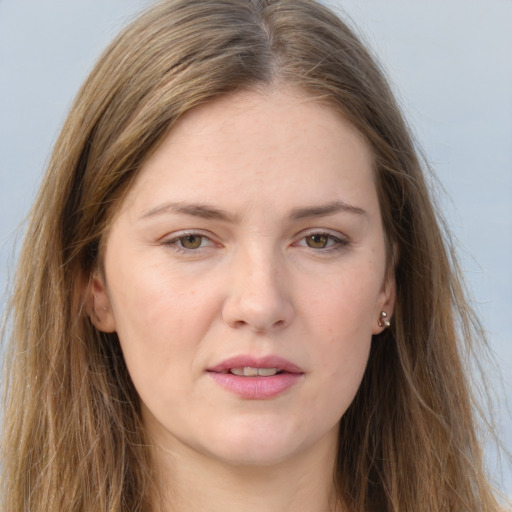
x=382, y=320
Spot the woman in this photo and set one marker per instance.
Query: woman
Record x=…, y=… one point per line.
x=241, y=296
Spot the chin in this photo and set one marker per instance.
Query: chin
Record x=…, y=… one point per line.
x=258, y=446
x=254, y=455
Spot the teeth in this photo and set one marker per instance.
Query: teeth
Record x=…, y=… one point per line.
x=250, y=372
x=267, y=372
x=254, y=372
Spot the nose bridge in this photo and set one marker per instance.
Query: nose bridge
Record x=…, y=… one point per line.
x=259, y=297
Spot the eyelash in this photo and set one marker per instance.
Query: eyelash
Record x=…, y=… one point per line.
x=334, y=243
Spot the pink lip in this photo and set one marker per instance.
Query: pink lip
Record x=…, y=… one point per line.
x=256, y=388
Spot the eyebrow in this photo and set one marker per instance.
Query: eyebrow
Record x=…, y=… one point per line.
x=196, y=210
x=326, y=210
x=206, y=211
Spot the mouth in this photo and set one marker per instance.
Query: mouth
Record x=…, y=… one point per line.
x=247, y=366
x=256, y=378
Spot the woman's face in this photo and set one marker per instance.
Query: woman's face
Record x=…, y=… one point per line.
x=244, y=274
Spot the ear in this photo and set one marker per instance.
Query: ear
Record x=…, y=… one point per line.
x=98, y=304
x=385, y=303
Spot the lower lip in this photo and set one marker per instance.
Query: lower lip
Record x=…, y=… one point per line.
x=256, y=388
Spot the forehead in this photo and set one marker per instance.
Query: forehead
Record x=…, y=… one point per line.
x=279, y=117
x=259, y=144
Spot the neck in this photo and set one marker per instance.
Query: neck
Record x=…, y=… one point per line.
x=192, y=481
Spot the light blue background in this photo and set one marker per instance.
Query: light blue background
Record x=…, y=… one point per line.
x=451, y=62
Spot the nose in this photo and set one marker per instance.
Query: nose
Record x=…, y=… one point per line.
x=259, y=295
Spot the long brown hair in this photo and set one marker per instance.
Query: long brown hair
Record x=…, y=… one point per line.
x=72, y=437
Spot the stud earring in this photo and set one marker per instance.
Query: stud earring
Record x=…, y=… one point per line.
x=382, y=320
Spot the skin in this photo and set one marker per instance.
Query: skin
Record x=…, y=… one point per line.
x=286, y=269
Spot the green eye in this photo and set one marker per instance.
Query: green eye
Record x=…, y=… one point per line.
x=317, y=241
x=191, y=241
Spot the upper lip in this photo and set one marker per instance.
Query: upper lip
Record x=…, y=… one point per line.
x=244, y=361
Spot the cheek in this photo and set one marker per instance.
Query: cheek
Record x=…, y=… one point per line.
x=160, y=322
x=345, y=306
x=149, y=296
x=342, y=317
x=344, y=347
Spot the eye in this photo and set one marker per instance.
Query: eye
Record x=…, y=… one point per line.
x=189, y=242
x=321, y=240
